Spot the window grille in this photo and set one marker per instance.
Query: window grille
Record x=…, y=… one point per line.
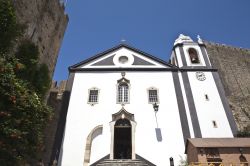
x=153, y=96
x=93, y=96
x=123, y=93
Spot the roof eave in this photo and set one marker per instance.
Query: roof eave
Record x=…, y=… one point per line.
x=118, y=47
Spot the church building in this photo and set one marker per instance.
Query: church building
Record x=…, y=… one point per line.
x=127, y=106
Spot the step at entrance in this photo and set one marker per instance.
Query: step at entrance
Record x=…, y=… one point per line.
x=122, y=162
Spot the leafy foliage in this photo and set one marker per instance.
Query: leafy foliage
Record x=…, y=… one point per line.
x=34, y=73
x=23, y=116
x=9, y=30
x=23, y=84
x=42, y=80
x=27, y=55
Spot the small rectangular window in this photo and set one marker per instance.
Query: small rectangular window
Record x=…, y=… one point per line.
x=206, y=97
x=153, y=96
x=214, y=124
x=93, y=96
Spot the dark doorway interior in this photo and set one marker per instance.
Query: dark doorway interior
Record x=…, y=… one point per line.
x=122, y=140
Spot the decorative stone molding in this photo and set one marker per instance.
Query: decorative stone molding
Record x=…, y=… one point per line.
x=92, y=135
x=122, y=114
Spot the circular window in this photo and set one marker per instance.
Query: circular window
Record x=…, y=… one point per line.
x=123, y=59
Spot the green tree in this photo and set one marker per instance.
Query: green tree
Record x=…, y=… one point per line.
x=9, y=29
x=42, y=80
x=27, y=54
x=37, y=75
x=23, y=113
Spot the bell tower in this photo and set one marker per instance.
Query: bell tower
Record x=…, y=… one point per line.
x=187, y=53
x=205, y=105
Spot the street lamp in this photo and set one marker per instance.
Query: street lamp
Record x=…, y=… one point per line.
x=156, y=107
x=171, y=161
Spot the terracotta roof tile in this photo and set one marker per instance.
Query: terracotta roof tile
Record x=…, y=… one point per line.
x=219, y=142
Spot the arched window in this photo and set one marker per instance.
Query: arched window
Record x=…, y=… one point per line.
x=193, y=55
x=123, y=93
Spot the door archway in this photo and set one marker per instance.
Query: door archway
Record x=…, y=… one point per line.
x=122, y=139
x=122, y=129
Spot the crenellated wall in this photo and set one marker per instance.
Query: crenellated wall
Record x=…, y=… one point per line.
x=45, y=24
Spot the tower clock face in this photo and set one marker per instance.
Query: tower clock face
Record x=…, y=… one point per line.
x=200, y=76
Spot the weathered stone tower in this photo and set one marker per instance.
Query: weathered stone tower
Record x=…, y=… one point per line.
x=45, y=23
x=55, y=102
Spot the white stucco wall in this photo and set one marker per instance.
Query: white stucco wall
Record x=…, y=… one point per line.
x=209, y=110
x=82, y=117
x=178, y=57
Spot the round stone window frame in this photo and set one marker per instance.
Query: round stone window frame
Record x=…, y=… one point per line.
x=123, y=59
x=129, y=62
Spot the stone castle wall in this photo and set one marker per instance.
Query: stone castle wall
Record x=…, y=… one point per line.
x=55, y=102
x=233, y=65
x=45, y=23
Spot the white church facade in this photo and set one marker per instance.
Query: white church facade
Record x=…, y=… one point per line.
x=127, y=105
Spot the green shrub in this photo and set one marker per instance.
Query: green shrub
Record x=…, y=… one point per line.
x=9, y=29
x=23, y=84
x=36, y=74
x=23, y=115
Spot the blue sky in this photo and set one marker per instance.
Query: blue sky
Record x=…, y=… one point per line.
x=149, y=25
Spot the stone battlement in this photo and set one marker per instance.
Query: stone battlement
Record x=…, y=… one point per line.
x=226, y=46
x=58, y=88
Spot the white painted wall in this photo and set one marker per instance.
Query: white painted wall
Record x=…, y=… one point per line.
x=82, y=117
x=209, y=110
x=178, y=56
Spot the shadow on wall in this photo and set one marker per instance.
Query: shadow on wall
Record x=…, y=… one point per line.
x=158, y=134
